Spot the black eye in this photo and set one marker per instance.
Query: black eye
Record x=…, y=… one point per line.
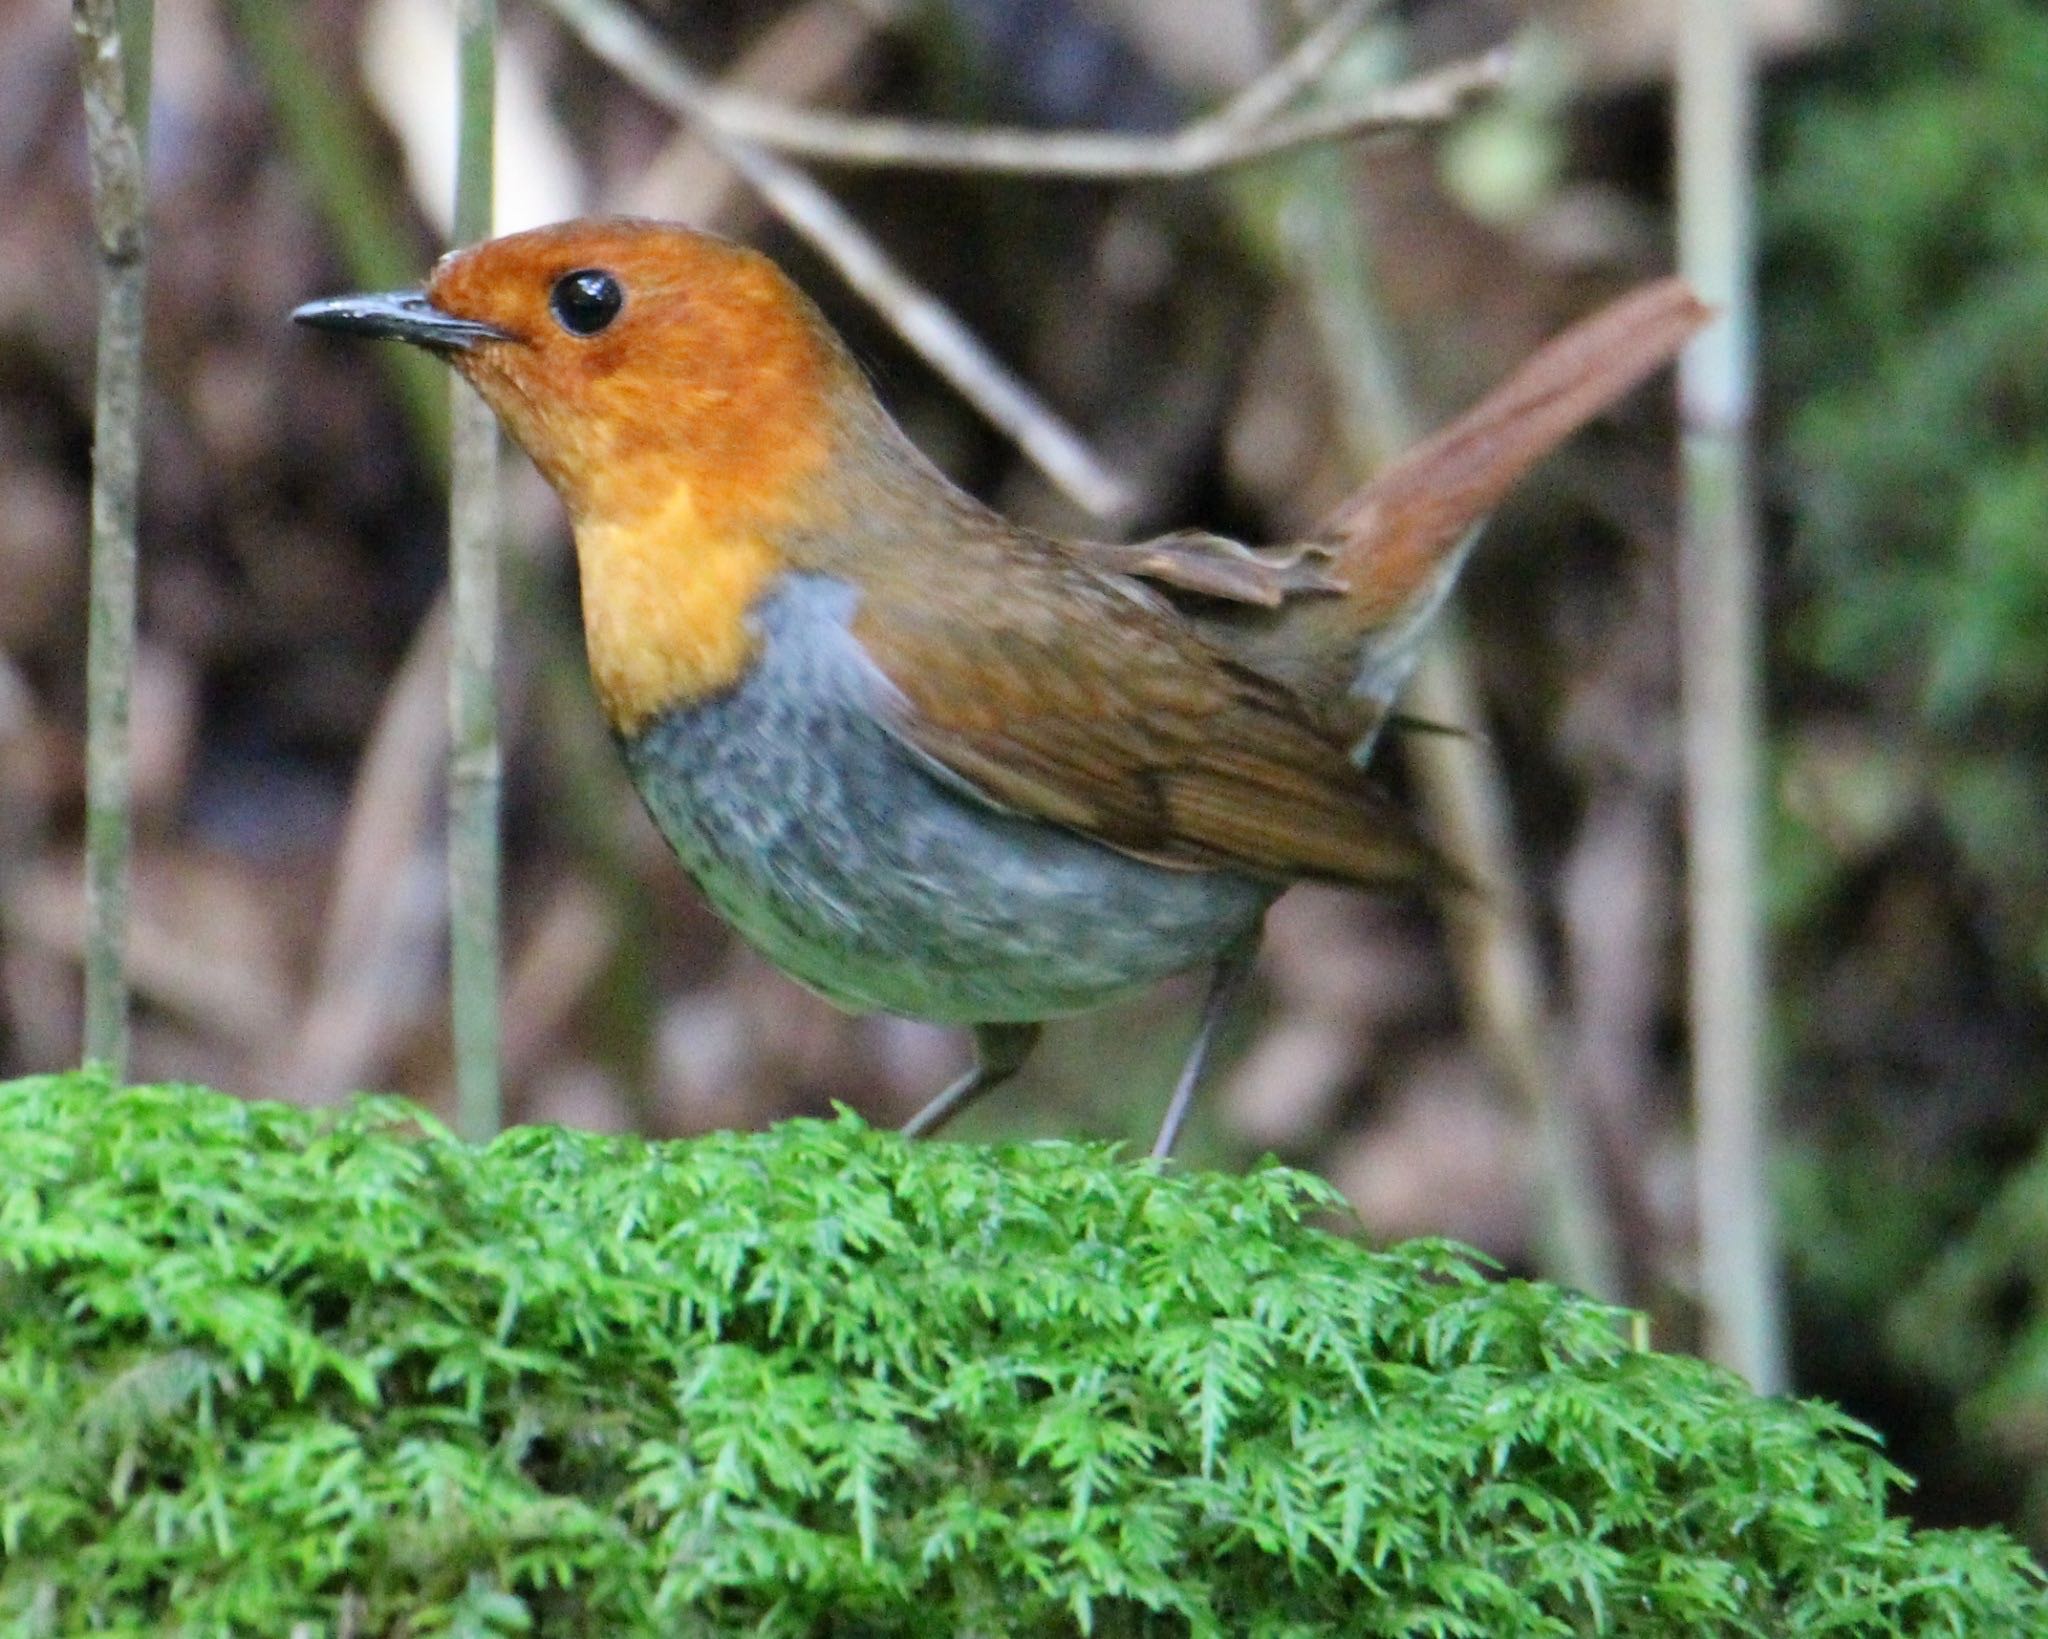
x=586, y=301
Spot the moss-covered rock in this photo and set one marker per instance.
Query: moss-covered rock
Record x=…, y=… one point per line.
x=260, y=1368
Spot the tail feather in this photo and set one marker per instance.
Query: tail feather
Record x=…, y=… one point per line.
x=1385, y=560
x=1390, y=537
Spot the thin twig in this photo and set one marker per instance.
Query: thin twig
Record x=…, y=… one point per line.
x=916, y=144
x=640, y=56
x=1291, y=74
x=475, y=759
x=1208, y=146
x=1720, y=647
x=116, y=116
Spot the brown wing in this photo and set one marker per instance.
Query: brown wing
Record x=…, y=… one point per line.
x=1081, y=701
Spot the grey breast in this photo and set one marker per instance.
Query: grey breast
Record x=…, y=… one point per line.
x=880, y=883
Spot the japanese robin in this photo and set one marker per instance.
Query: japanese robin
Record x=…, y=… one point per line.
x=932, y=763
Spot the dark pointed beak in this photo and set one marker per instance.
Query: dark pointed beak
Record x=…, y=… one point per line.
x=402, y=315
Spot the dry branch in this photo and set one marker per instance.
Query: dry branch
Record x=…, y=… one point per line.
x=1211, y=145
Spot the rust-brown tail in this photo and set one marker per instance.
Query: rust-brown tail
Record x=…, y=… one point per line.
x=1341, y=619
x=1394, y=533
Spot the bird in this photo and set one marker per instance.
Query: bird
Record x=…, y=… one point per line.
x=930, y=762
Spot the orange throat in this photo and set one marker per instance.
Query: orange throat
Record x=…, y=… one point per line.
x=665, y=602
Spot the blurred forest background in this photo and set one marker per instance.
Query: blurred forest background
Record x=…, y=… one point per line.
x=289, y=935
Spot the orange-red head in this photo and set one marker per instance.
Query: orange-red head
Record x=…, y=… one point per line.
x=636, y=356
x=684, y=399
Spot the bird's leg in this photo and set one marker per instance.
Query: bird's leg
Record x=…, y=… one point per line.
x=999, y=1053
x=1226, y=984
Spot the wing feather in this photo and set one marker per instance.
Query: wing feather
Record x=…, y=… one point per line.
x=1082, y=700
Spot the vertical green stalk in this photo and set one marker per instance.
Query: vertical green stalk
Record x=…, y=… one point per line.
x=1720, y=665
x=474, y=774
x=113, y=61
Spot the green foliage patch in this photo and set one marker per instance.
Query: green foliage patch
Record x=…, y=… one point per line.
x=260, y=1367
x=1908, y=216
x=1908, y=299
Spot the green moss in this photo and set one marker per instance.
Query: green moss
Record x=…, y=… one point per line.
x=263, y=1367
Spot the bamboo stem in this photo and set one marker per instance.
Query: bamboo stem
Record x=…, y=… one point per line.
x=475, y=757
x=1720, y=664
x=113, y=60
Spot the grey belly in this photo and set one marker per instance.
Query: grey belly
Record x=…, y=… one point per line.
x=856, y=870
